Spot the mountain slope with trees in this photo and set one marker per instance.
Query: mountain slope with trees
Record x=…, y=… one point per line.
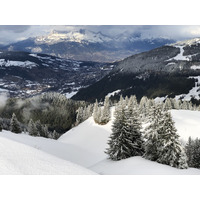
x=170, y=70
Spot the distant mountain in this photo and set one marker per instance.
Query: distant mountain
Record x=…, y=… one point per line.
x=171, y=70
x=88, y=45
x=26, y=74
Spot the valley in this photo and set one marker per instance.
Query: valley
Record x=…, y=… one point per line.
x=23, y=74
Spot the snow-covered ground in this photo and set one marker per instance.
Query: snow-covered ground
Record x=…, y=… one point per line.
x=83, y=147
x=113, y=93
x=9, y=63
x=194, y=92
x=180, y=56
x=70, y=94
x=18, y=158
x=138, y=166
x=195, y=67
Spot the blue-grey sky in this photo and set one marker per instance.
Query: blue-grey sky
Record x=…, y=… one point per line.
x=13, y=33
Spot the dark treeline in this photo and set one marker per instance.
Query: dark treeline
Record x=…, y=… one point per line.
x=52, y=110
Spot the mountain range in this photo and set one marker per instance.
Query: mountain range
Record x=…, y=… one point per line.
x=171, y=70
x=87, y=45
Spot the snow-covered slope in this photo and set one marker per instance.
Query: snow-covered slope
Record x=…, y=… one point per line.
x=85, y=146
x=17, y=158
x=138, y=166
x=93, y=138
x=187, y=123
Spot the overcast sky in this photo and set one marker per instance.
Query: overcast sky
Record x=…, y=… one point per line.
x=13, y=33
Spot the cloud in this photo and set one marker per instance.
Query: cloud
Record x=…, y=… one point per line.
x=14, y=28
x=3, y=99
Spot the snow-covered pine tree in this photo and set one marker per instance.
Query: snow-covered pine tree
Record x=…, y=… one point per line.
x=46, y=132
x=89, y=110
x=132, y=130
x=196, y=153
x=193, y=152
x=177, y=104
x=15, y=125
x=95, y=111
x=98, y=117
x=152, y=132
x=55, y=135
x=167, y=105
x=189, y=149
x=126, y=100
x=117, y=145
x=39, y=128
x=143, y=106
x=185, y=105
x=79, y=116
x=190, y=106
x=32, y=129
x=125, y=140
x=170, y=151
x=105, y=115
x=132, y=103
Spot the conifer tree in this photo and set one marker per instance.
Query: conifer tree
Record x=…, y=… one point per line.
x=132, y=103
x=170, y=150
x=46, y=132
x=185, y=105
x=117, y=145
x=193, y=152
x=32, y=129
x=190, y=151
x=133, y=132
x=55, y=135
x=98, y=117
x=39, y=128
x=105, y=115
x=167, y=105
x=95, y=111
x=79, y=116
x=125, y=140
x=143, y=106
x=15, y=125
x=152, y=132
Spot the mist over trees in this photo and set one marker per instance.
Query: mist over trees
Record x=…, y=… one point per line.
x=52, y=110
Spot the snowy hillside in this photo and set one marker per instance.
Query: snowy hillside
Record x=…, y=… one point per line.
x=17, y=158
x=83, y=147
x=93, y=138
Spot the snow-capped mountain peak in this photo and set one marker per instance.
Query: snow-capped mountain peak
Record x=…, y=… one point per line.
x=81, y=36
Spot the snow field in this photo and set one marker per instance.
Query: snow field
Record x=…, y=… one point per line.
x=84, y=145
x=17, y=158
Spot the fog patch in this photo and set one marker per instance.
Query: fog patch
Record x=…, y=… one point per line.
x=3, y=99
